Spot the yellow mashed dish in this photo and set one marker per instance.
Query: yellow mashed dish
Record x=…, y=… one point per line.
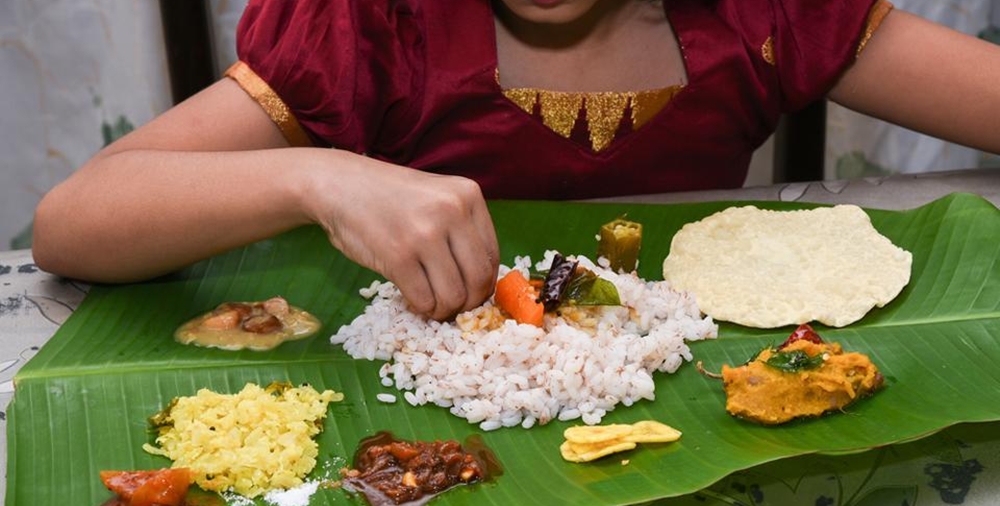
x=257, y=440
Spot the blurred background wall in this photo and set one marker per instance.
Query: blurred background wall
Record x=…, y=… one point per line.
x=77, y=74
x=74, y=74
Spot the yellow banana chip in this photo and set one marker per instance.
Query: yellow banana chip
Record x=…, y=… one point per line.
x=651, y=431
x=596, y=433
x=582, y=452
x=591, y=442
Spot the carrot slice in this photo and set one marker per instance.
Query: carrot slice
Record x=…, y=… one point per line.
x=519, y=299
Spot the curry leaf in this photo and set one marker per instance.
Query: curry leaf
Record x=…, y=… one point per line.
x=589, y=289
x=794, y=361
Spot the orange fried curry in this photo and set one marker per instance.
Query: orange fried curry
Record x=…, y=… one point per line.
x=804, y=377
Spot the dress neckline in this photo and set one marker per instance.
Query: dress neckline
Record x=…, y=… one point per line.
x=601, y=111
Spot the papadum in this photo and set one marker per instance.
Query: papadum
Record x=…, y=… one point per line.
x=767, y=269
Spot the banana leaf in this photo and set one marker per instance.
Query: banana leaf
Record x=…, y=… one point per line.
x=82, y=403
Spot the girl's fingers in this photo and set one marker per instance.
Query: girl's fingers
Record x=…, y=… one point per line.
x=415, y=286
x=446, y=281
x=483, y=223
x=475, y=262
x=473, y=243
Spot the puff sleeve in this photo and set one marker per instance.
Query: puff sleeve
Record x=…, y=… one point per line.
x=325, y=71
x=815, y=41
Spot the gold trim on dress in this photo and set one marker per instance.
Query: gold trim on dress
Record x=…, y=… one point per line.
x=604, y=114
x=602, y=111
x=645, y=104
x=877, y=13
x=767, y=50
x=524, y=98
x=560, y=110
x=272, y=104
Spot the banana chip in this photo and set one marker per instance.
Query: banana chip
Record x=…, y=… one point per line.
x=596, y=433
x=582, y=452
x=651, y=431
x=585, y=443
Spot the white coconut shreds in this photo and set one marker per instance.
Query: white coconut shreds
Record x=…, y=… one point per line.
x=497, y=373
x=298, y=496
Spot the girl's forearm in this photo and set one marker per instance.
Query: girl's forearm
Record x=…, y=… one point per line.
x=928, y=78
x=137, y=214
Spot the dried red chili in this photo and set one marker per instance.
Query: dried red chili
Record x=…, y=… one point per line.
x=556, y=281
x=803, y=332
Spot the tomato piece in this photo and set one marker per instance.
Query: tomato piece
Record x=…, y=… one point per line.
x=124, y=483
x=166, y=488
x=162, y=487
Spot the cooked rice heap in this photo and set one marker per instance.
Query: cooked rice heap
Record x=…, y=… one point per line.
x=492, y=371
x=248, y=443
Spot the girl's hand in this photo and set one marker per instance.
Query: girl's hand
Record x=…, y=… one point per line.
x=430, y=234
x=215, y=173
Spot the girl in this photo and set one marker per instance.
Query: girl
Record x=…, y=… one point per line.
x=501, y=99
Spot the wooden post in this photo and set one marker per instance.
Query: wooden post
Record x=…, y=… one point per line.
x=800, y=145
x=188, y=41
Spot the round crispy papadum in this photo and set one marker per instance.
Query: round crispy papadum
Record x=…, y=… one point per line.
x=767, y=269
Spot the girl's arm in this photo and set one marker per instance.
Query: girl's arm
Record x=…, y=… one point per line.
x=215, y=173
x=928, y=78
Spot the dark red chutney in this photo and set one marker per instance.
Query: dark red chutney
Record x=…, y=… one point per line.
x=390, y=471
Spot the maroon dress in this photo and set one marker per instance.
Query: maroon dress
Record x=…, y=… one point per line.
x=415, y=82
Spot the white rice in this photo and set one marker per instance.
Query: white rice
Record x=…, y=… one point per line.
x=497, y=373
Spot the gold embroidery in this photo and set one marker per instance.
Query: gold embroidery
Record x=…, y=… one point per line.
x=560, y=110
x=524, y=98
x=875, y=17
x=645, y=104
x=767, y=50
x=272, y=104
x=604, y=113
x=603, y=110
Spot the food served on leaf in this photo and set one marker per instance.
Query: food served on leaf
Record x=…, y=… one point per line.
x=585, y=443
x=565, y=284
x=253, y=325
x=767, y=269
x=158, y=487
x=803, y=377
x=248, y=443
x=392, y=471
x=596, y=343
x=619, y=242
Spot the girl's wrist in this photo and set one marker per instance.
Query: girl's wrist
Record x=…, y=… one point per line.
x=318, y=179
